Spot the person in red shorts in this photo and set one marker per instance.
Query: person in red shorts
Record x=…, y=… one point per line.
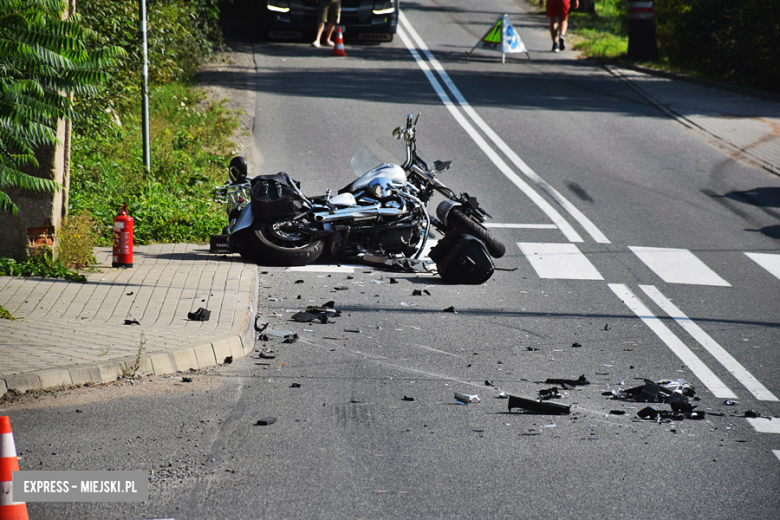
x=558, y=13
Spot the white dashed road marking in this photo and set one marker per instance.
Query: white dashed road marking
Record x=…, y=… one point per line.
x=560, y=261
x=769, y=262
x=678, y=266
x=765, y=424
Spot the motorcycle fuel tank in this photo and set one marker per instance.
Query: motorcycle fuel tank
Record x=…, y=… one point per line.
x=393, y=172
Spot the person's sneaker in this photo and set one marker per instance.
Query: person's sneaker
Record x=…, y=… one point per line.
x=562, y=43
x=316, y=44
x=330, y=43
x=555, y=47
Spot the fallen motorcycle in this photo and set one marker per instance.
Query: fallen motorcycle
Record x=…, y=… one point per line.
x=380, y=218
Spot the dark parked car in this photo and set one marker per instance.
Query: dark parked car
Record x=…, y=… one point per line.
x=363, y=20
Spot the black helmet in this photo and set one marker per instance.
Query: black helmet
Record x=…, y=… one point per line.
x=237, y=169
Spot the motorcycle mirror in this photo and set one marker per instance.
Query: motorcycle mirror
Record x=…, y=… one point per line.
x=417, y=118
x=440, y=166
x=398, y=133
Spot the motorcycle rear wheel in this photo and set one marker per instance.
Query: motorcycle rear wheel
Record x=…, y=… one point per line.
x=272, y=244
x=466, y=225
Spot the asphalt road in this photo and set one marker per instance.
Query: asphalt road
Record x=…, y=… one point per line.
x=663, y=224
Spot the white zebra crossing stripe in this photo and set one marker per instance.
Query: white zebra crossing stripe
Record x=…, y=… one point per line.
x=777, y=453
x=705, y=375
x=678, y=266
x=559, y=261
x=704, y=339
x=765, y=424
x=769, y=262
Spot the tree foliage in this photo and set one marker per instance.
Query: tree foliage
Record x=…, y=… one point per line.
x=42, y=58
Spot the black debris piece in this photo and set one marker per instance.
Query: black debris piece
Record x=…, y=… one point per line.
x=393, y=280
x=290, y=338
x=617, y=412
x=426, y=291
x=506, y=268
x=489, y=383
x=132, y=322
x=354, y=331
x=200, y=315
x=186, y=380
x=575, y=345
x=417, y=292
x=570, y=383
x=675, y=392
x=538, y=407
x=531, y=349
x=259, y=329
x=295, y=385
x=320, y=314
x=752, y=413
x=729, y=402
x=350, y=277
x=354, y=401
x=341, y=288
x=299, y=281
x=550, y=393
x=449, y=309
x=130, y=293
x=406, y=398
x=607, y=327
x=228, y=360
x=266, y=421
x=263, y=355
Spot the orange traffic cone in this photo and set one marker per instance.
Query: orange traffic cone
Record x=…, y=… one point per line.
x=9, y=510
x=338, y=50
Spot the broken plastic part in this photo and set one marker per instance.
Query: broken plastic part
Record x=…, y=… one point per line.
x=537, y=406
x=570, y=382
x=466, y=398
x=549, y=393
x=132, y=322
x=408, y=398
x=449, y=309
x=266, y=421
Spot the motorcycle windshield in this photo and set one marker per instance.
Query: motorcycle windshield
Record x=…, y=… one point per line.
x=379, y=151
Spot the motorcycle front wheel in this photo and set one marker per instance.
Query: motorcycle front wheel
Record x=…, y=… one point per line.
x=468, y=226
x=277, y=242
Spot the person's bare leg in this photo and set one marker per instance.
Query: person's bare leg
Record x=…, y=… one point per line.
x=320, y=27
x=330, y=33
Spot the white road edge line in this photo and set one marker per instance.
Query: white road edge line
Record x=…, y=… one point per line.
x=706, y=341
x=591, y=228
x=777, y=453
x=537, y=199
x=701, y=371
x=520, y=226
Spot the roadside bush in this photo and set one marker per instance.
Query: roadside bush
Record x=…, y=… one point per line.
x=76, y=239
x=40, y=265
x=729, y=39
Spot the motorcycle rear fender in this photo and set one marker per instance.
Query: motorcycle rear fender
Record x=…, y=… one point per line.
x=444, y=208
x=245, y=219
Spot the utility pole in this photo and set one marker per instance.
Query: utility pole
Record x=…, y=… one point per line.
x=145, y=99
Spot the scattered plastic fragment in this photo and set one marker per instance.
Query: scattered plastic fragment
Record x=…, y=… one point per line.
x=449, y=309
x=295, y=385
x=317, y=313
x=489, y=383
x=531, y=349
x=341, y=288
x=537, y=406
x=266, y=421
x=299, y=281
x=228, y=360
x=393, y=280
x=568, y=382
x=466, y=398
x=575, y=345
x=200, y=315
x=550, y=393
x=263, y=355
x=130, y=293
x=751, y=413
x=617, y=412
x=729, y=402
x=186, y=380
x=406, y=398
x=132, y=322
x=607, y=327
x=502, y=395
x=417, y=292
x=354, y=331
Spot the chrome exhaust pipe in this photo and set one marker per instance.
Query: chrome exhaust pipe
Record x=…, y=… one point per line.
x=359, y=212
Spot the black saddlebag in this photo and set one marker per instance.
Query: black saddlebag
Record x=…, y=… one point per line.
x=273, y=196
x=462, y=259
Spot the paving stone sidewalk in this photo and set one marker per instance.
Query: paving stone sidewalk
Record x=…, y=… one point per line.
x=73, y=333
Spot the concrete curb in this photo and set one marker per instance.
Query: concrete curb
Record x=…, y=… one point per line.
x=238, y=343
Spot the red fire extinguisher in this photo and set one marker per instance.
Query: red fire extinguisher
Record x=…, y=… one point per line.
x=123, y=239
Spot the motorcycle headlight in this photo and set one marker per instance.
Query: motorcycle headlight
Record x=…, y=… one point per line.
x=280, y=6
x=383, y=7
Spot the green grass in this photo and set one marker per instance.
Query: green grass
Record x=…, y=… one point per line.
x=40, y=265
x=603, y=35
x=190, y=148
